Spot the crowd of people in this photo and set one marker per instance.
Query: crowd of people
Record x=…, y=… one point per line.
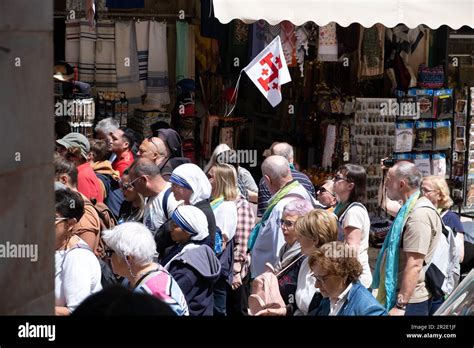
x=137, y=218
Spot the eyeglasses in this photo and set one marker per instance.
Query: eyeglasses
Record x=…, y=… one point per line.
x=339, y=178
x=59, y=219
x=321, y=279
x=286, y=223
x=131, y=184
x=322, y=190
x=109, y=253
x=424, y=190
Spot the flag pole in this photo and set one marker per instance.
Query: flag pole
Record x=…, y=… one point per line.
x=235, y=94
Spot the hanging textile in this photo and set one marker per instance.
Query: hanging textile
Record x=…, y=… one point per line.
x=182, y=46
x=271, y=32
x=301, y=47
x=105, y=68
x=238, y=46
x=191, y=54
x=371, y=52
x=125, y=4
x=288, y=42
x=327, y=43
x=347, y=39
x=258, y=38
x=207, y=53
x=329, y=146
x=73, y=28
x=142, y=30
x=87, y=51
x=157, y=80
x=128, y=76
x=210, y=25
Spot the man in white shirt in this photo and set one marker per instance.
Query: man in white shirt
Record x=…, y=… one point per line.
x=277, y=175
x=146, y=179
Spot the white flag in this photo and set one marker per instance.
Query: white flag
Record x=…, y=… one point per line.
x=268, y=71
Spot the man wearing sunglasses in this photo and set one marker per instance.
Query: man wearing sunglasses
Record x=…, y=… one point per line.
x=326, y=195
x=154, y=149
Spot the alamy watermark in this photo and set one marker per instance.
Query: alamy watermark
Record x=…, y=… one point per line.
x=21, y=251
x=402, y=109
x=339, y=251
x=238, y=157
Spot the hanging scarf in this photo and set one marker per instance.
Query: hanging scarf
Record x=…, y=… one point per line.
x=217, y=202
x=271, y=204
x=386, y=280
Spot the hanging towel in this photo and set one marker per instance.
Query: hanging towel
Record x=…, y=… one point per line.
x=128, y=78
x=207, y=53
x=288, y=42
x=327, y=48
x=191, y=57
x=87, y=51
x=182, y=46
x=371, y=52
x=157, y=80
x=142, y=32
x=329, y=146
x=73, y=28
x=105, y=69
x=258, y=38
x=272, y=31
x=301, y=47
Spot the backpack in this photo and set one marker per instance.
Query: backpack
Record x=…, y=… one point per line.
x=163, y=236
x=340, y=219
x=442, y=272
x=265, y=293
x=107, y=222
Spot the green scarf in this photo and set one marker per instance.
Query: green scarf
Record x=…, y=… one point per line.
x=277, y=197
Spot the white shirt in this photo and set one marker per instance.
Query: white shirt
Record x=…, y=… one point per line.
x=270, y=238
x=154, y=216
x=77, y=276
x=226, y=218
x=335, y=307
x=305, y=289
x=357, y=217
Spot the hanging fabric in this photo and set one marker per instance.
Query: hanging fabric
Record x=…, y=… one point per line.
x=301, y=47
x=87, y=51
x=182, y=46
x=128, y=76
x=191, y=54
x=272, y=31
x=258, y=38
x=327, y=43
x=207, y=53
x=288, y=42
x=371, y=52
x=157, y=80
x=142, y=30
x=105, y=67
x=329, y=146
x=73, y=29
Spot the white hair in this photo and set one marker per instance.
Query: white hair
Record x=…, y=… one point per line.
x=213, y=160
x=298, y=207
x=276, y=167
x=409, y=172
x=107, y=125
x=131, y=239
x=285, y=150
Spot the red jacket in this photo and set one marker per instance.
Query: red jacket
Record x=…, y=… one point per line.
x=88, y=184
x=123, y=162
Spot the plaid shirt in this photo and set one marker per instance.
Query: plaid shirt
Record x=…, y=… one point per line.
x=245, y=223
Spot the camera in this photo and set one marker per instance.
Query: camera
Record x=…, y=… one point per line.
x=389, y=162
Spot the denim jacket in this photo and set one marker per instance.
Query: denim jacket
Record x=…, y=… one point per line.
x=359, y=302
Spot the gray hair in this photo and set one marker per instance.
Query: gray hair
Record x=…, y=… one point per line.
x=131, y=239
x=298, y=207
x=144, y=166
x=285, y=150
x=408, y=171
x=107, y=125
x=276, y=167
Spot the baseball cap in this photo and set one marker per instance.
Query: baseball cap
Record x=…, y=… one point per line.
x=76, y=140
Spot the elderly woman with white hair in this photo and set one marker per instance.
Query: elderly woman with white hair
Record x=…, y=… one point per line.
x=195, y=267
x=131, y=248
x=290, y=257
x=245, y=181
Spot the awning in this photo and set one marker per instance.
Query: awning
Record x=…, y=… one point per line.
x=433, y=13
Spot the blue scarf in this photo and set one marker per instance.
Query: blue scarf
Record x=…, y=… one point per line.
x=391, y=248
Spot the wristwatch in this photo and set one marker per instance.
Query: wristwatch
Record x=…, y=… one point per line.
x=401, y=304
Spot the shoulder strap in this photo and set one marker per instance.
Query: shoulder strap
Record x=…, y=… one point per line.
x=165, y=202
x=353, y=204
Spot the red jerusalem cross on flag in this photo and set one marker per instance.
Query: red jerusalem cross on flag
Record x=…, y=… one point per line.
x=268, y=71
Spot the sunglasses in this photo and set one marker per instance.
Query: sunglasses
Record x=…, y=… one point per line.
x=59, y=219
x=286, y=223
x=340, y=178
x=323, y=190
x=130, y=185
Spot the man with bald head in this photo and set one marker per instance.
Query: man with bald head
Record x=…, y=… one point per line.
x=409, y=245
x=154, y=149
x=285, y=150
x=267, y=237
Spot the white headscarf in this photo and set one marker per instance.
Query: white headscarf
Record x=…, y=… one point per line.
x=190, y=176
x=192, y=220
